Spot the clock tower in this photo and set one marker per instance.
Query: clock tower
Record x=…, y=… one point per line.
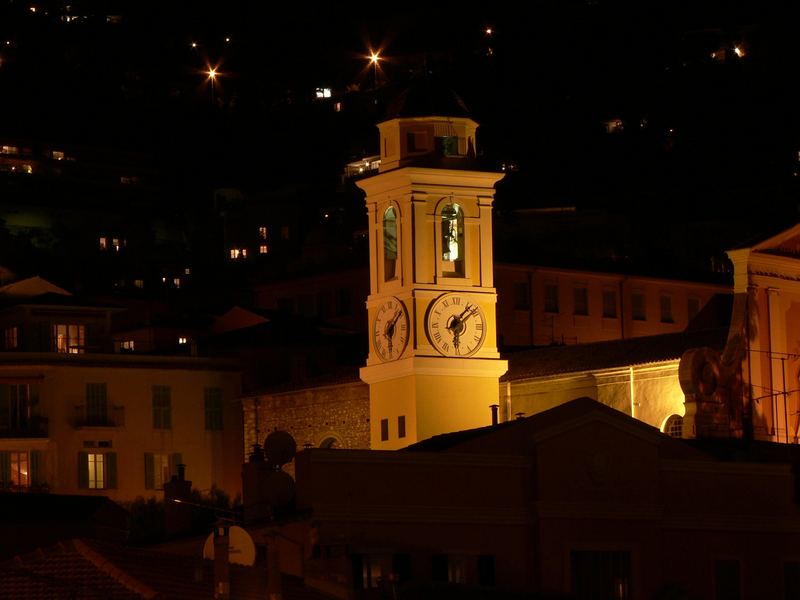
x=433, y=365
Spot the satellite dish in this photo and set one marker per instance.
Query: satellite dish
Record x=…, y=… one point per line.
x=279, y=448
x=241, y=549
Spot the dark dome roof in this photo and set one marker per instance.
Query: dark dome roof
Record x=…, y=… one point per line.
x=426, y=98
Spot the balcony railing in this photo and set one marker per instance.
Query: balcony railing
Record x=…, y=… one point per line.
x=114, y=416
x=33, y=427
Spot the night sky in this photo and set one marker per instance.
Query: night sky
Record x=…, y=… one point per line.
x=702, y=135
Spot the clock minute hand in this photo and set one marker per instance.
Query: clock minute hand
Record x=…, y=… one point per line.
x=388, y=331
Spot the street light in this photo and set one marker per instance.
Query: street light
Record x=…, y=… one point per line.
x=374, y=57
x=212, y=77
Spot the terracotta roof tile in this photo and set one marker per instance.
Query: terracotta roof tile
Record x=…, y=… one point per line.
x=90, y=570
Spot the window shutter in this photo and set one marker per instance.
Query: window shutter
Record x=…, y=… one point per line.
x=111, y=470
x=83, y=470
x=33, y=392
x=174, y=461
x=149, y=471
x=5, y=469
x=5, y=407
x=35, y=468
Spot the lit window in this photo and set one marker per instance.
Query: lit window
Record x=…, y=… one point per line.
x=234, y=253
x=262, y=249
x=11, y=335
x=139, y=283
x=389, y=244
x=187, y=271
x=176, y=282
x=20, y=472
x=97, y=471
x=323, y=92
x=69, y=339
x=115, y=243
x=453, y=240
x=244, y=252
x=262, y=232
x=126, y=345
x=9, y=150
x=103, y=243
x=183, y=340
x=337, y=107
x=28, y=169
x=57, y=155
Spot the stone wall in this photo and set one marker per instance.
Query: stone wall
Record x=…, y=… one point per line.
x=337, y=414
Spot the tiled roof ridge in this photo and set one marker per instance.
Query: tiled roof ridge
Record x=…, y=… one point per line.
x=110, y=569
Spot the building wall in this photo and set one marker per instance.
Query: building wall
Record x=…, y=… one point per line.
x=212, y=457
x=651, y=392
x=523, y=318
x=533, y=496
x=312, y=416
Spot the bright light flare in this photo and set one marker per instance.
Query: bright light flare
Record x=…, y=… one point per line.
x=738, y=51
x=212, y=73
x=374, y=57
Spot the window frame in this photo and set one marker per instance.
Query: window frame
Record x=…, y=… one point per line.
x=580, y=292
x=69, y=338
x=162, y=406
x=213, y=408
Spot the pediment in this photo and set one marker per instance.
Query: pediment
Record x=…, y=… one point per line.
x=785, y=243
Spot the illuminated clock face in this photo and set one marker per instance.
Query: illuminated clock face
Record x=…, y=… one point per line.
x=456, y=325
x=390, y=329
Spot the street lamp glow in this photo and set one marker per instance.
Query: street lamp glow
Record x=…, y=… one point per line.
x=374, y=57
x=212, y=73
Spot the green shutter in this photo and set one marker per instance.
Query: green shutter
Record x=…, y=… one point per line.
x=174, y=460
x=162, y=417
x=96, y=403
x=35, y=468
x=149, y=471
x=111, y=470
x=83, y=470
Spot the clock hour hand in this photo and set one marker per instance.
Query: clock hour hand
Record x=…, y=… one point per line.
x=458, y=323
x=388, y=331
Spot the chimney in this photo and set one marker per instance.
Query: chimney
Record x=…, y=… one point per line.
x=494, y=408
x=177, y=511
x=222, y=575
